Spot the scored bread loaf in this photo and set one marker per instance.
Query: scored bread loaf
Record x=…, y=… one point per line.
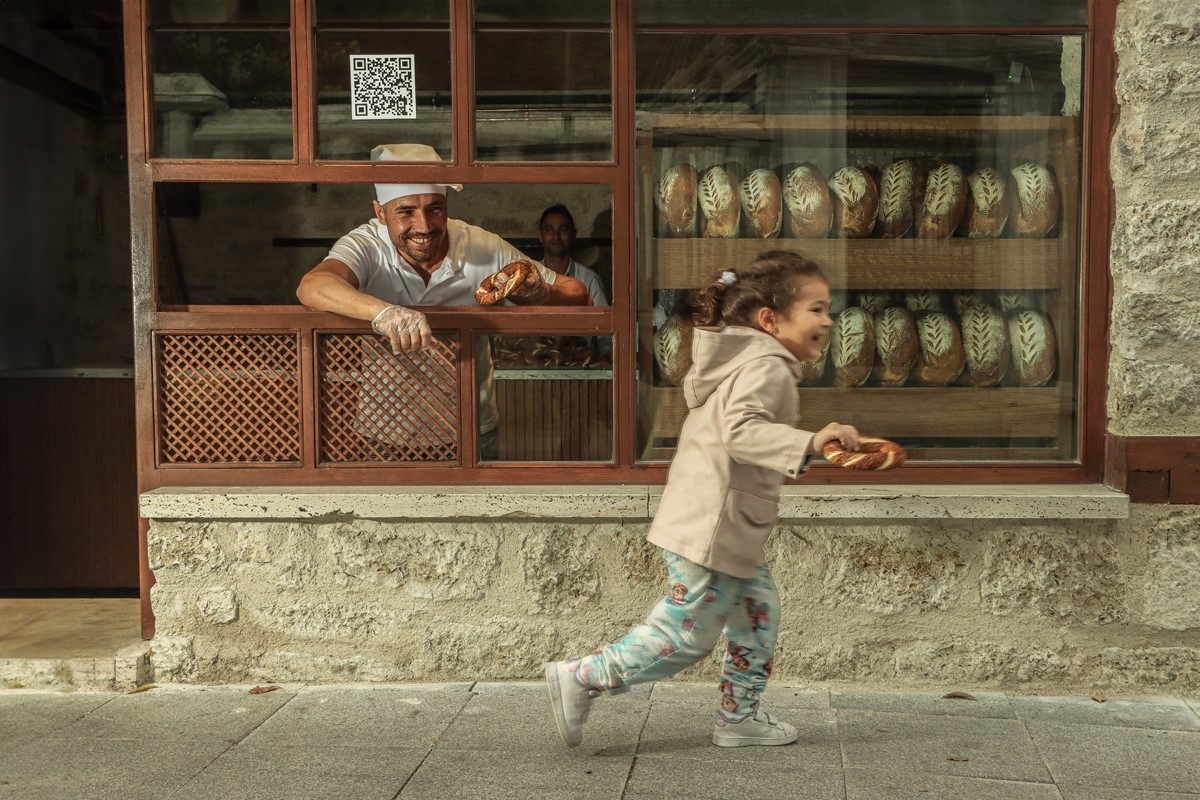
x=875, y=302
x=1033, y=202
x=673, y=347
x=855, y=202
x=985, y=344
x=945, y=202
x=987, y=204
x=720, y=208
x=812, y=373
x=964, y=300
x=809, y=206
x=1016, y=300
x=897, y=187
x=896, y=346
x=1034, y=356
x=852, y=347
x=942, y=358
x=675, y=201
x=762, y=204
x=924, y=300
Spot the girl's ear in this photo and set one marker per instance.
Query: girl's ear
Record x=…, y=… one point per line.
x=766, y=319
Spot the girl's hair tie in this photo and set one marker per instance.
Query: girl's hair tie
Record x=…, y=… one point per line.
x=728, y=277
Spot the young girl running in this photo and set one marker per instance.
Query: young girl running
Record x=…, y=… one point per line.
x=721, y=502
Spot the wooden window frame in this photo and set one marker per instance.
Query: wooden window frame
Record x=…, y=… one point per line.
x=151, y=318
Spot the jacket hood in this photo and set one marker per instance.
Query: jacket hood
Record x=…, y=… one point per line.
x=717, y=353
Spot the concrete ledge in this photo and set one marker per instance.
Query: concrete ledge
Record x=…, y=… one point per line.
x=1037, y=501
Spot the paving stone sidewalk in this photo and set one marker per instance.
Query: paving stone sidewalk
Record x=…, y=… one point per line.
x=497, y=740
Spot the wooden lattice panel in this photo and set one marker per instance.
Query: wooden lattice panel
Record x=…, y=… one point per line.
x=227, y=398
x=378, y=406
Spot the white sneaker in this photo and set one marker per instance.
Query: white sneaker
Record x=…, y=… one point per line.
x=570, y=701
x=760, y=729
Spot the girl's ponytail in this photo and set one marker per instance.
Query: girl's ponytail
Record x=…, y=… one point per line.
x=772, y=280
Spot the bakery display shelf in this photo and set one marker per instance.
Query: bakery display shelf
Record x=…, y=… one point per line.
x=950, y=412
x=1016, y=264
x=887, y=127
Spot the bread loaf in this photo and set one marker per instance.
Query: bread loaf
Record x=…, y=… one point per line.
x=985, y=344
x=945, y=202
x=1033, y=206
x=875, y=302
x=855, y=202
x=987, y=204
x=720, y=208
x=675, y=201
x=673, y=348
x=897, y=187
x=809, y=206
x=1017, y=300
x=852, y=347
x=924, y=300
x=964, y=300
x=762, y=204
x=812, y=373
x=896, y=346
x=1034, y=350
x=942, y=358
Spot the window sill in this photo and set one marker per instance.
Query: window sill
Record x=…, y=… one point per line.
x=324, y=504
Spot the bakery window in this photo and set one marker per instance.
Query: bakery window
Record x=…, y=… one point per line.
x=945, y=163
x=936, y=179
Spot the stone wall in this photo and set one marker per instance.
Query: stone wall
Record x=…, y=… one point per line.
x=1061, y=605
x=1154, y=371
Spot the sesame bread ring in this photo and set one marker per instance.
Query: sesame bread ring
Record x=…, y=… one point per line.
x=504, y=282
x=873, y=453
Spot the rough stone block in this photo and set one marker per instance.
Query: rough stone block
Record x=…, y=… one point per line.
x=892, y=573
x=173, y=659
x=1056, y=573
x=496, y=647
x=959, y=658
x=559, y=564
x=189, y=547
x=1172, y=599
x=1174, y=668
x=218, y=605
x=425, y=560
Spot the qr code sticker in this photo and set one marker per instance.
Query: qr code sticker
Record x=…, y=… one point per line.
x=383, y=87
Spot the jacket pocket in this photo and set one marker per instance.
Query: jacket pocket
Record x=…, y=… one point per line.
x=746, y=522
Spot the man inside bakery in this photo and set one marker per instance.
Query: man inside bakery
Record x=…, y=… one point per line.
x=413, y=254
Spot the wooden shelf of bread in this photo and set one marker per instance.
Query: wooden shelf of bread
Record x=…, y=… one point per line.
x=956, y=412
x=767, y=127
x=879, y=263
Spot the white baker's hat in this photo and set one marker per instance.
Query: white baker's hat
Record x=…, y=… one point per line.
x=386, y=192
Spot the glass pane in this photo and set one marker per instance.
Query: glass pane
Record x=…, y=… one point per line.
x=861, y=13
x=936, y=179
x=553, y=397
x=543, y=92
x=383, y=76
x=222, y=79
x=207, y=255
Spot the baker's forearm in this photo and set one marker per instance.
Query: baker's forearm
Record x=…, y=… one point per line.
x=323, y=292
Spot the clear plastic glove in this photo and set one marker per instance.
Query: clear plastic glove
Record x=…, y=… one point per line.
x=405, y=328
x=533, y=291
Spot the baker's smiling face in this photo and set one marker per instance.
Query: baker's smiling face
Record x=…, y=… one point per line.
x=416, y=225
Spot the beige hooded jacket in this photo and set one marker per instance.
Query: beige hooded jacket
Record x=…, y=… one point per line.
x=736, y=447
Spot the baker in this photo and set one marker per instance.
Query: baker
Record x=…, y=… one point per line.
x=413, y=254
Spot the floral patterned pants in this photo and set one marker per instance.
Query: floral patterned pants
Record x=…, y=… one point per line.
x=684, y=627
